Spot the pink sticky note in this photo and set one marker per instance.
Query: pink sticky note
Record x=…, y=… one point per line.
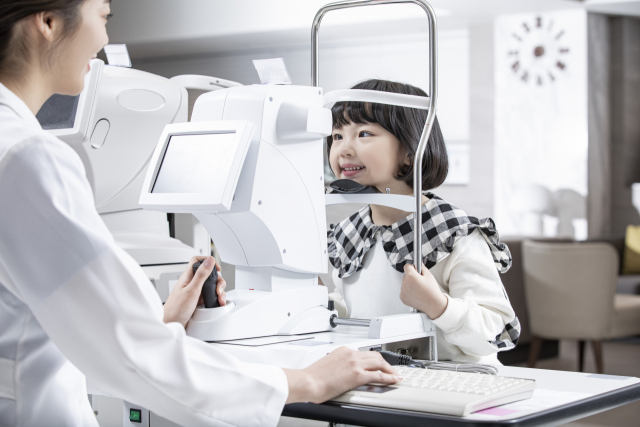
x=497, y=411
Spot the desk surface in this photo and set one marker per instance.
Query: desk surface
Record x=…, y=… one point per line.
x=560, y=397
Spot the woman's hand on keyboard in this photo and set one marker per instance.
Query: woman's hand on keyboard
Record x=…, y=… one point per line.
x=338, y=372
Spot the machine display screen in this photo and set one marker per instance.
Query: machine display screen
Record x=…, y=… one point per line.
x=59, y=112
x=191, y=163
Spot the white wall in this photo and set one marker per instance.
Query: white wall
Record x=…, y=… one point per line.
x=403, y=59
x=541, y=109
x=477, y=198
x=154, y=28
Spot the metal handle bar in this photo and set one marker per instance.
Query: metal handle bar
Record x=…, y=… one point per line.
x=433, y=97
x=335, y=321
x=377, y=97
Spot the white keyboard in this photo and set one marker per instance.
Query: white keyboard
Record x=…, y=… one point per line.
x=441, y=392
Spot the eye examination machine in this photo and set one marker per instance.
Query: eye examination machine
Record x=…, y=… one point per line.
x=249, y=166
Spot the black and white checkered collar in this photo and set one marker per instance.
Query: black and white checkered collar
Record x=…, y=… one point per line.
x=443, y=225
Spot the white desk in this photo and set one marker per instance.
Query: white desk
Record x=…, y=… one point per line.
x=560, y=397
x=300, y=351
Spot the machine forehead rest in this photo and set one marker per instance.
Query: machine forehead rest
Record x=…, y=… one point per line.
x=377, y=97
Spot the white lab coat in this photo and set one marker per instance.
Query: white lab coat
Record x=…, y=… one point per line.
x=72, y=302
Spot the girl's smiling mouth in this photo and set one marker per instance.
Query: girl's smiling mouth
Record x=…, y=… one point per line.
x=351, y=170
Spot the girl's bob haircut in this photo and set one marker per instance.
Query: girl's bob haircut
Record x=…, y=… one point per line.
x=404, y=123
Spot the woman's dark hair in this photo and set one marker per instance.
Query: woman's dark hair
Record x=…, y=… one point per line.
x=14, y=11
x=404, y=123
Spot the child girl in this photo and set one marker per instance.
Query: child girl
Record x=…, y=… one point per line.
x=372, y=250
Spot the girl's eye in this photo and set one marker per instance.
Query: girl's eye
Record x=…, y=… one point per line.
x=364, y=134
x=109, y=16
x=337, y=137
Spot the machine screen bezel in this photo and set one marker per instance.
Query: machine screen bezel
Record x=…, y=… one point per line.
x=190, y=202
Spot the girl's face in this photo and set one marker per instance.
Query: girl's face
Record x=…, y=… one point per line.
x=368, y=154
x=72, y=62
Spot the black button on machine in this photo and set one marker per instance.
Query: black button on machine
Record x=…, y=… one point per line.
x=209, y=294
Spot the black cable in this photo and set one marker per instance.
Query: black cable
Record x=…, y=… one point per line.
x=399, y=359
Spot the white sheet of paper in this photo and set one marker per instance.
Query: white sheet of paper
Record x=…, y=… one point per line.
x=542, y=399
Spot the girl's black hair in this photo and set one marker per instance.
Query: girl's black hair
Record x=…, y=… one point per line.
x=404, y=123
x=12, y=47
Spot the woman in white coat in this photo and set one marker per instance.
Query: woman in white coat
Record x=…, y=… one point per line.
x=72, y=303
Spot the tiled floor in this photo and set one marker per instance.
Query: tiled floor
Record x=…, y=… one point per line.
x=620, y=358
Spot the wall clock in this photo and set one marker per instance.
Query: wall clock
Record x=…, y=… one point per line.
x=537, y=52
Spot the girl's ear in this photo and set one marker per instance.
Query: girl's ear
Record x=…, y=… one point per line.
x=404, y=161
x=407, y=158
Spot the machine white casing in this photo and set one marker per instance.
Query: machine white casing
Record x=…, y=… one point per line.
x=274, y=229
x=278, y=214
x=136, y=105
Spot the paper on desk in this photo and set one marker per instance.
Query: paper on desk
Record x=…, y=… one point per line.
x=541, y=400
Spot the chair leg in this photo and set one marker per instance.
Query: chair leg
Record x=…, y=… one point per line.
x=580, y=356
x=597, y=347
x=534, y=350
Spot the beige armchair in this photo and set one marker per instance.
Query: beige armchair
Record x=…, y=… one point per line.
x=570, y=291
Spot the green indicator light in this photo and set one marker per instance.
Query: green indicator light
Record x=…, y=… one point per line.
x=135, y=415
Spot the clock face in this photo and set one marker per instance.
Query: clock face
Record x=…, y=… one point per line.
x=537, y=53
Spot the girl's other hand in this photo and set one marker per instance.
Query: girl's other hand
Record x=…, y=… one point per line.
x=422, y=292
x=186, y=294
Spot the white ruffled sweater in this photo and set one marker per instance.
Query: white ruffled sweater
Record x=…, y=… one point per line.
x=478, y=307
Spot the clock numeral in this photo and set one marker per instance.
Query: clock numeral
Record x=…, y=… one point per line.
x=513, y=53
x=560, y=34
x=564, y=50
x=550, y=26
x=560, y=65
x=517, y=37
x=525, y=76
x=526, y=27
x=539, y=80
x=538, y=22
x=516, y=66
x=551, y=76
